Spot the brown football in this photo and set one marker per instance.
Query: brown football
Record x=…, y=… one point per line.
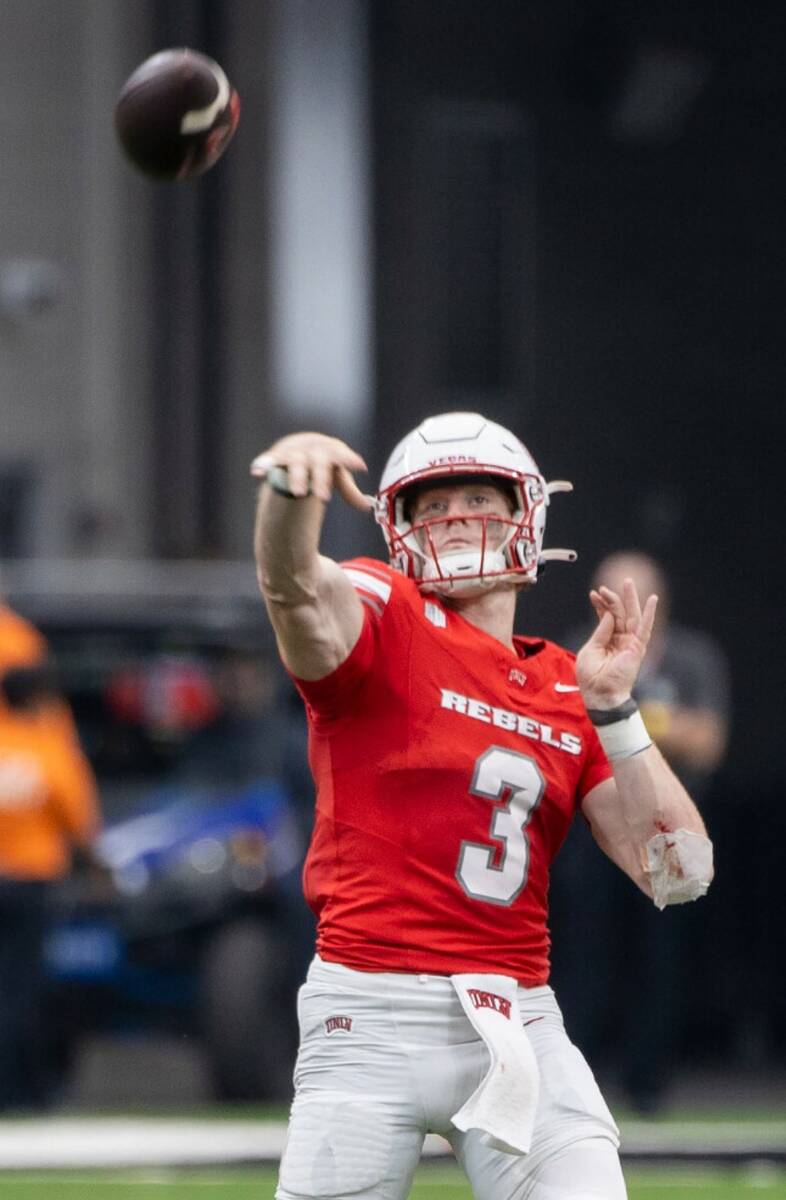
x=176, y=114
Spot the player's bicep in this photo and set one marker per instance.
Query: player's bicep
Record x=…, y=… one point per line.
x=318, y=633
x=602, y=809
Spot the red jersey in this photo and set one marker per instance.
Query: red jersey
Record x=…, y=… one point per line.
x=448, y=770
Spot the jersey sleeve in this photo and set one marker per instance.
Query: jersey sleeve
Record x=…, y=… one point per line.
x=333, y=695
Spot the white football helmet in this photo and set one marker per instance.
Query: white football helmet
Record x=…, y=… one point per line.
x=462, y=444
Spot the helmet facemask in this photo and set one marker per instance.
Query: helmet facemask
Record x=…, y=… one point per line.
x=459, y=448
x=506, y=551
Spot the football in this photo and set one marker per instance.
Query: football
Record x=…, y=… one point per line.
x=176, y=114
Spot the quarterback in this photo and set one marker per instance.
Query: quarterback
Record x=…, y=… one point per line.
x=450, y=756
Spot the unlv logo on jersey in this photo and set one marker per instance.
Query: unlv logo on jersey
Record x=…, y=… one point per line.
x=338, y=1025
x=515, y=675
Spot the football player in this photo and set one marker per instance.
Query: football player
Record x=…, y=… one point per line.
x=450, y=756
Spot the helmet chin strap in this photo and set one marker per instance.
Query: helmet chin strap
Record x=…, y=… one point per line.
x=465, y=573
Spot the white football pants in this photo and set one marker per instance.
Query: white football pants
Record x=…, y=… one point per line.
x=387, y=1058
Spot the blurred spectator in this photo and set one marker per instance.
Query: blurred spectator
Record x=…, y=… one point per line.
x=25, y=670
x=21, y=645
x=48, y=808
x=633, y=982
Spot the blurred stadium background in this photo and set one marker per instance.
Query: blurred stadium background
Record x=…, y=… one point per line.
x=567, y=214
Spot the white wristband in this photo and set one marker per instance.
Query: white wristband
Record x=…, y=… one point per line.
x=625, y=738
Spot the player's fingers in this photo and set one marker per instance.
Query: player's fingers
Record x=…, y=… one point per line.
x=314, y=463
x=307, y=447
x=322, y=480
x=605, y=628
x=261, y=465
x=611, y=599
x=648, y=619
x=601, y=632
x=349, y=490
x=631, y=601
x=350, y=458
x=598, y=603
x=298, y=477
x=615, y=606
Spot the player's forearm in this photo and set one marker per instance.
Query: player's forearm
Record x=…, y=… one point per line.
x=286, y=547
x=313, y=607
x=653, y=805
x=651, y=797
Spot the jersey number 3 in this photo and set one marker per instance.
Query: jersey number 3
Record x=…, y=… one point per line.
x=499, y=772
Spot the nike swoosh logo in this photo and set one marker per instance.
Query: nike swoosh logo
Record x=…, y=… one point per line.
x=565, y=687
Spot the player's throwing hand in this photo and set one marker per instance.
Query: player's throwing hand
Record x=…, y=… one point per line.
x=315, y=464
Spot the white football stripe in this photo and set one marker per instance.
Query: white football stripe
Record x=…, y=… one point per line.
x=202, y=118
x=369, y=583
x=374, y=605
x=435, y=615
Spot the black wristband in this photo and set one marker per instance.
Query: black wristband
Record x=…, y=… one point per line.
x=610, y=716
x=277, y=479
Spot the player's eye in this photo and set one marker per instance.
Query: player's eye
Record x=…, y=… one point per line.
x=433, y=508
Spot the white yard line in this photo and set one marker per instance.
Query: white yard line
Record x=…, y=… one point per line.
x=123, y=1142
x=71, y=1143
x=726, y=1138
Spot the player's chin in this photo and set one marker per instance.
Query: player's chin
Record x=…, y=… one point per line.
x=455, y=546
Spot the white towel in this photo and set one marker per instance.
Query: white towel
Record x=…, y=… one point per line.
x=504, y=1104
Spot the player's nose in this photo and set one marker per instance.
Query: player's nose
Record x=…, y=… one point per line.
x=457, y=508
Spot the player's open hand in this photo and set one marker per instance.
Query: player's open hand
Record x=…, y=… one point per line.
x=315, y=465
x=608, y=663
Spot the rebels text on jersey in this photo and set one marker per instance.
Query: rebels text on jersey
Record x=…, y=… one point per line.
x=448, y=770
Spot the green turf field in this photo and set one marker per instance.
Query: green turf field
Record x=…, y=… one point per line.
x=433, y=1183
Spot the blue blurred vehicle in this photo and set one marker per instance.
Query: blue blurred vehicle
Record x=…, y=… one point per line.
x=186, y=932
x=190, y=917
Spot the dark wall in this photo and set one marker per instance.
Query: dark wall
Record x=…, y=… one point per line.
x=594, y=253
